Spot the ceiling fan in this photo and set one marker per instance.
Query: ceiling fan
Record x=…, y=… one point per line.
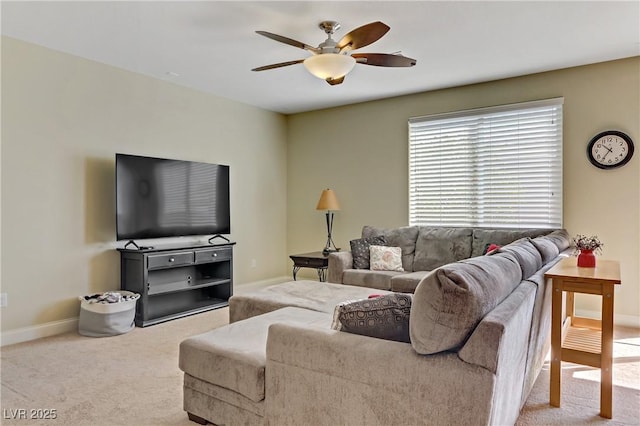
x=331, y=60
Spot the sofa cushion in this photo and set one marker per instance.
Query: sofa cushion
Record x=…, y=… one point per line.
x=450, y=301
x=403, y=237
x=360, y=250
x=234, y=356
x=547, y=248
x=501, y=237
x=385, y=258
x=438, y=246
x=385, y=317
x=407, y=283
x=366, y=278
x=560, y=238
x=306, y=294
x=526, y=254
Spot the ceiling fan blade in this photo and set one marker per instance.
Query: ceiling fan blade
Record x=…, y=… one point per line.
x=334, y=81
x=363, y=36
x=281, y=64
x=383, y=60
x=287, y=40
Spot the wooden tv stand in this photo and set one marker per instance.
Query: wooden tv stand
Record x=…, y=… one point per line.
x=178, y=281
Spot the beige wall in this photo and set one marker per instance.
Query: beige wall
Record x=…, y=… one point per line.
x=63, y=118
x=360, y=151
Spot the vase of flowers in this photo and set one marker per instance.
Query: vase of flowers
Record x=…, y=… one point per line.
x=587, y=247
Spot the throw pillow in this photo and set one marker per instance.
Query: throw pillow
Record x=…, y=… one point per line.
x=489, y=249
x=383, y=258
x=453, y=299
x=360, y=250
x=383, y=317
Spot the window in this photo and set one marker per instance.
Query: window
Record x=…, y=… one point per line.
x=495, y=167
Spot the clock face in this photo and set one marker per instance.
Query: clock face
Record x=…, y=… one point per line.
x=610, y=149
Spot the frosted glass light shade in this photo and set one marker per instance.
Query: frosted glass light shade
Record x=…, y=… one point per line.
x=329, y=65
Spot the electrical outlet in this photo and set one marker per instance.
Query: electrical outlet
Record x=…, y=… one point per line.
x=253, y=263
x=3, y=300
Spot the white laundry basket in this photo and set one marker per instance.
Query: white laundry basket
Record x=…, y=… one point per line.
x=107, y=319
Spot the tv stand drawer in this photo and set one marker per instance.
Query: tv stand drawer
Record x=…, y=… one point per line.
x=213, y=255
x=170, y=260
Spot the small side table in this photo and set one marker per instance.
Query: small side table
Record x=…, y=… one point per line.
x=579, y=340
x=316, y=260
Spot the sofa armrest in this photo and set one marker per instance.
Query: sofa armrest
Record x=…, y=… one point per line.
x=338, y=262
x=327, y=377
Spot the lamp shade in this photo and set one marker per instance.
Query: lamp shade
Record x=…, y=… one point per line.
x=329, y=65
x=328, y=201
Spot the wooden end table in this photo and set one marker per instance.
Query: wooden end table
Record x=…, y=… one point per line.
x=579, y=340
x=316, y=260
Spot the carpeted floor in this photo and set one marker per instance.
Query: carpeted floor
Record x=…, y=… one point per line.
x=580, y=389
x=133, y=379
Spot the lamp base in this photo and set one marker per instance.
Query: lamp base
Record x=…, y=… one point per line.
x=327, y=247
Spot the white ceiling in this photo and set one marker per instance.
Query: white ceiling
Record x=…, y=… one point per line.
x=212, y=46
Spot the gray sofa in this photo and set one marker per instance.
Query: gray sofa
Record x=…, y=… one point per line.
x=423, y=250
x=479, y=333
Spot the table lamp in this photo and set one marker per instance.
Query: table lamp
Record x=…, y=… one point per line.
x=329, y=202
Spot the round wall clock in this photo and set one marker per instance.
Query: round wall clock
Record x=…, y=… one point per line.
x=610, y=149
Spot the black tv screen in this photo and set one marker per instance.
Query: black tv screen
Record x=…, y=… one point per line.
x=157, y=197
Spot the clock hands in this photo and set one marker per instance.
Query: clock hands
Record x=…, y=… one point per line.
x=608, y=151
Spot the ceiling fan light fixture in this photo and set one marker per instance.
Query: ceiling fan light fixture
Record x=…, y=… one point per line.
x=329, y=65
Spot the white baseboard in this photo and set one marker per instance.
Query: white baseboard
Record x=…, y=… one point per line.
x=26, y=334
x=618, y=319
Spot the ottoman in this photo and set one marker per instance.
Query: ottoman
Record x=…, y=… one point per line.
x=224, y=369
x=314, y=295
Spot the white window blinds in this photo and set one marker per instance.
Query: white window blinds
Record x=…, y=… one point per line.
x=494, y=167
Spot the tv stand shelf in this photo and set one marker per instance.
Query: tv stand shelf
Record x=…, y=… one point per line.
x=177, y=282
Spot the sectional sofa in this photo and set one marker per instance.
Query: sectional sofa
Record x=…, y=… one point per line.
x=478, y=333
x=423, y=250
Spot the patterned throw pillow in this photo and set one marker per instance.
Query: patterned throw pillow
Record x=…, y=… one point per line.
x=385, y=258
x=383, y=317
x=360, y=250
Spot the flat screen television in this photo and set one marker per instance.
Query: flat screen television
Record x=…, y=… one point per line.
x=158, y=197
